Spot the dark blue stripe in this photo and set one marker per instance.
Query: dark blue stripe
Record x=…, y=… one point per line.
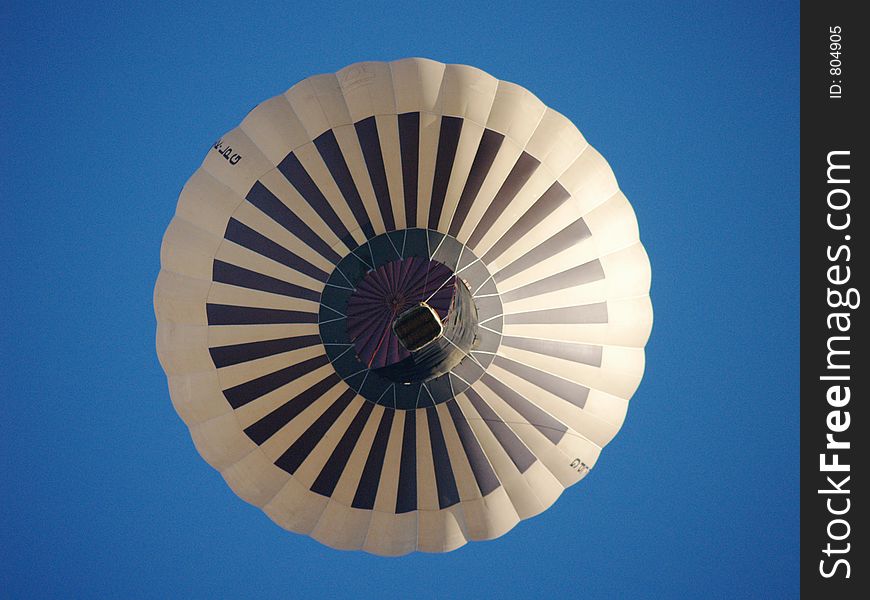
x=406, y=498
x=331, y=154
x=561, y=241
x=579, y=275
x=224, y=356
x=448, y=142
x=572, y=392
x=522, y=170
x=269, y=425
x=490, y=143
x=334, y=467
x=299, y=178
x=302, y=447
x=227, y=314
x=487, y=480
x=583, y=314
x=248, y=238
x=367, y=490
x=513, y=445
x=553, y=198
x=409, y=146
x=270, y=205
x=243, y=393
x=224, y=272
x=369, y=141
x=587, y=354
x=448, y=495
x=551, y=428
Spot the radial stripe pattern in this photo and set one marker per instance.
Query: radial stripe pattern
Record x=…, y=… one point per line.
x=336, y=208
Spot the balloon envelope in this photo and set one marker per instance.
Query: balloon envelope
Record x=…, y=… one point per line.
x=402, y=306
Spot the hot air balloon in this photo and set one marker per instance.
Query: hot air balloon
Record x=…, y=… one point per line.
x=402, y=306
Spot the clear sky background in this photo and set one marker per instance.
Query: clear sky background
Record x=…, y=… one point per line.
x=107, y=109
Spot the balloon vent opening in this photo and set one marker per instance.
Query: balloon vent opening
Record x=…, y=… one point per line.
x=394, y=315
x=418, y=327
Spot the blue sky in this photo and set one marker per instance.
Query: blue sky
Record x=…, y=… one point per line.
x=108, y=109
